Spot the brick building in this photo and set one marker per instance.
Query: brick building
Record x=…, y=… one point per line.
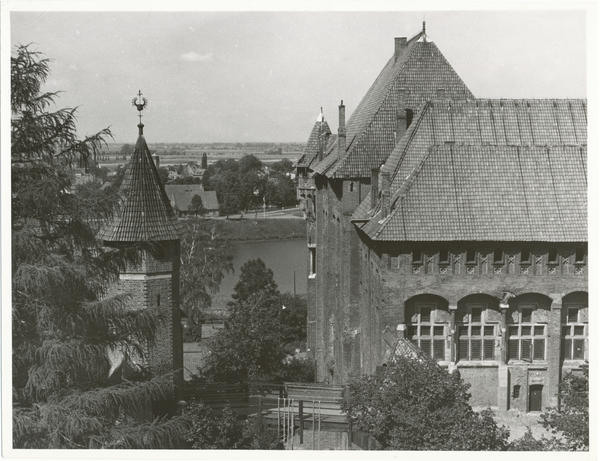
x=145, y=218
x=469, y=240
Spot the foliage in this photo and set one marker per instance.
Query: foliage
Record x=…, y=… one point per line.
x=126, y=150
x=257, y=435
x=572, y=419
x=298, y=370
x=281, y=192
x=282, y=167
x=417, y=405
x=248, y=347
x=255, y=277
x=205, y=259
x=65, y=322
x=163, y=175
x=529, y=443
x=209, y=432
x=204, y=164
x=293, y=322
x=196, y=206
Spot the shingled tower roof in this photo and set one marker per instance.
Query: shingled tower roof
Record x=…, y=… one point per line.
x=417, y=72
x=319, y=133
x=145, y=213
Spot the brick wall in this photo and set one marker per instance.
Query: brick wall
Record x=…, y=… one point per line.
x=391, y=285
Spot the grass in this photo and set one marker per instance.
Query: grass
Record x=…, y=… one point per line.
x=247, y=230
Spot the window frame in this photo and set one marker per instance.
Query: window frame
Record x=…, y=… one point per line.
x=425, y=334
x=527, y=336
x=572, y=337
x=476, y=341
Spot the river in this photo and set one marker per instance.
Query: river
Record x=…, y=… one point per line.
x=283, y=257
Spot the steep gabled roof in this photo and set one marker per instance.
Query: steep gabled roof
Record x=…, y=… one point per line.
x=406, y=81
x=181, y=196
x=320, y=132
x=490, y=193
x=145, y=214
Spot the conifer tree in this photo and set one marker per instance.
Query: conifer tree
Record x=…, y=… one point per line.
x=66, y=325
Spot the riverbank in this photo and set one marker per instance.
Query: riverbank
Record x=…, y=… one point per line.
x=249, y=230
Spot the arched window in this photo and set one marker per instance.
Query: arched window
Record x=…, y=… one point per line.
x=574, y=327
x=425, y=333
x=526, y=334
x=476, y=337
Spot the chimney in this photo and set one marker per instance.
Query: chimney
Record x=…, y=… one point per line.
x=400, y=44
x=156, y=159
x=385, y=194
x=401, y=123
x=342, y=131
x=440, y=93
x=322, y=137
x=374, y=186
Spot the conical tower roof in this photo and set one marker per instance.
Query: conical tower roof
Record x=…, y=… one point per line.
x=145, y=213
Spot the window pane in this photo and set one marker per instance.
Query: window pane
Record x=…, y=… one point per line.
x=438, y=331
x=526, y=331
x=443, y=255
x=488, y=331
x=538, y=331
x=476, y=349
x=539, y=347
x=568, y=353
x=426, y=314
x=578, y=345
x=566, y=331
x=426, y=347
x=463, y=349
x=415, y=341
x=526, y=349
x=513, y=349
x=498, y=255
x=439, y=349
x=488, y=349
x=578, y=330
x=476, y=331
x=476, y=315
x=526, y=315
x=572, y=315
x=425, y=330
x=416, y=255
x=463, y=331
x=513, y=330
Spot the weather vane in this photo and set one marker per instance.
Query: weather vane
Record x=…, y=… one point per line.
x=140, y=102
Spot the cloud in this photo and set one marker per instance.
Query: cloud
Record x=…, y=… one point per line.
x=192, y=56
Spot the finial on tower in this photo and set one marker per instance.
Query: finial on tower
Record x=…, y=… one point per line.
x=423, y=27
x=140, y=102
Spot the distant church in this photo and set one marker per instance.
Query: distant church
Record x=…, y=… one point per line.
x=456, y=224
x=145, y=218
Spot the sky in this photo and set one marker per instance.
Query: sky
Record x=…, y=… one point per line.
x=258, y=76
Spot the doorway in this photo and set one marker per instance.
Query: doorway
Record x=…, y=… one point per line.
x=535, y=397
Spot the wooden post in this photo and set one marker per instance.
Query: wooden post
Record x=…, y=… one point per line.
x=350, y=435
x=301, y=418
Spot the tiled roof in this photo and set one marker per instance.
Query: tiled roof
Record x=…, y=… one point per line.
x=520, y=122
x=311, y=150
x=415, y=76
x=490, y=193
x=145, y=214
x=181, y=196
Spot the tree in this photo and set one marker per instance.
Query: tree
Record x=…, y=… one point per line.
x=417, y=405
x=163, y=174
x=571, y=420
x=204, y=161
x=126, y=150
x=248, y=347
x=205, y=259
x=282, y=167
x=65, y=322
x=196, y=206
x=255, y=277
